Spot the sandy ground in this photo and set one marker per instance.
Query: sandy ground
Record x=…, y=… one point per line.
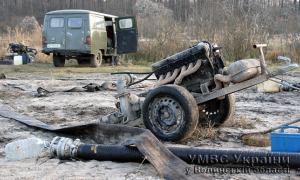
x=254, y=111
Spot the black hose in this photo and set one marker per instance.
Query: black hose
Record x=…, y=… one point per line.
x=193, y=156
x=141, y=80
x=238, y=157
x=109, y=153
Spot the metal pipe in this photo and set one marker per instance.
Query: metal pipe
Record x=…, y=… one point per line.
x=169, y=78
x=141, y=80
x=123, y=95
x=263, y=65
x=190, y=70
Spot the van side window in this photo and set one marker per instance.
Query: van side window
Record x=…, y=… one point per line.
x=57, y=22
x=125, y=23
x=99, y=23
x=75, y=22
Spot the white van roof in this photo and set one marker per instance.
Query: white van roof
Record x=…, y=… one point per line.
x=79, y=11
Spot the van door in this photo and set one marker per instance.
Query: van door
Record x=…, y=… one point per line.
x=127, y=36
x=75, y=32
x=55, y=34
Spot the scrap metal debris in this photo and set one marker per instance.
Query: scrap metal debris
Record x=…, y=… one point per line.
x=18, y=54
x=166, y=163
x=92, y=87
x=274, y=85
x=136, y=144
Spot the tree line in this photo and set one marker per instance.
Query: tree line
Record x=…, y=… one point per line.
x=172, y=25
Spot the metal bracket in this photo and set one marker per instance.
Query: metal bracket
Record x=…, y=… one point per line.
x=201, y=98
x=204, y=88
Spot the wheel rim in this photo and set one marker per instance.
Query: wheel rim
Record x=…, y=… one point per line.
x=166, y=115
x=99, y=58
x=214, y=111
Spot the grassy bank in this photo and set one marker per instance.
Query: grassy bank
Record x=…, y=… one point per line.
x=47, y=68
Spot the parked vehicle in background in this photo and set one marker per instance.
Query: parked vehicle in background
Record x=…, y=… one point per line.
x=87, y=36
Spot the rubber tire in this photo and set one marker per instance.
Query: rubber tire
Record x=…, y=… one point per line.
x=229, y=104
x=115, y=60
x=96, y=60
x=83, y=61
x=58, y=61
x=79, y=61
x=188, y=104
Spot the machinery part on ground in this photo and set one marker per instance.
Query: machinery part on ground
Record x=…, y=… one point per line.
x=58, y=60
x=201, y=50
x=130, y=104
x=238, y=71
x=285, y=86
x=113, y=118
x=191, y=155
x=188, y=63
x=96, y=59
x=170, y=112
x=215, y=112
x=198, y=66
x=64, y=148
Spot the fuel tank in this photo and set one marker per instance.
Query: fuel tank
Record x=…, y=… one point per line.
x=239, y=71
x=244, y=70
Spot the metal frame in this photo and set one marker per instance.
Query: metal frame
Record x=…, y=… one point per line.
x=201, y=98
x=265, y=75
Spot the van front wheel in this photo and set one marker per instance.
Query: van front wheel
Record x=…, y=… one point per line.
x=96, y=59
x=58, y=60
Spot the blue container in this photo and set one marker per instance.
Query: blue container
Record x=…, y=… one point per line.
x=282, y=141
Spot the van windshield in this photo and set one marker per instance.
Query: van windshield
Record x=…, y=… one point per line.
x=75, y=22
x=57, y=22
